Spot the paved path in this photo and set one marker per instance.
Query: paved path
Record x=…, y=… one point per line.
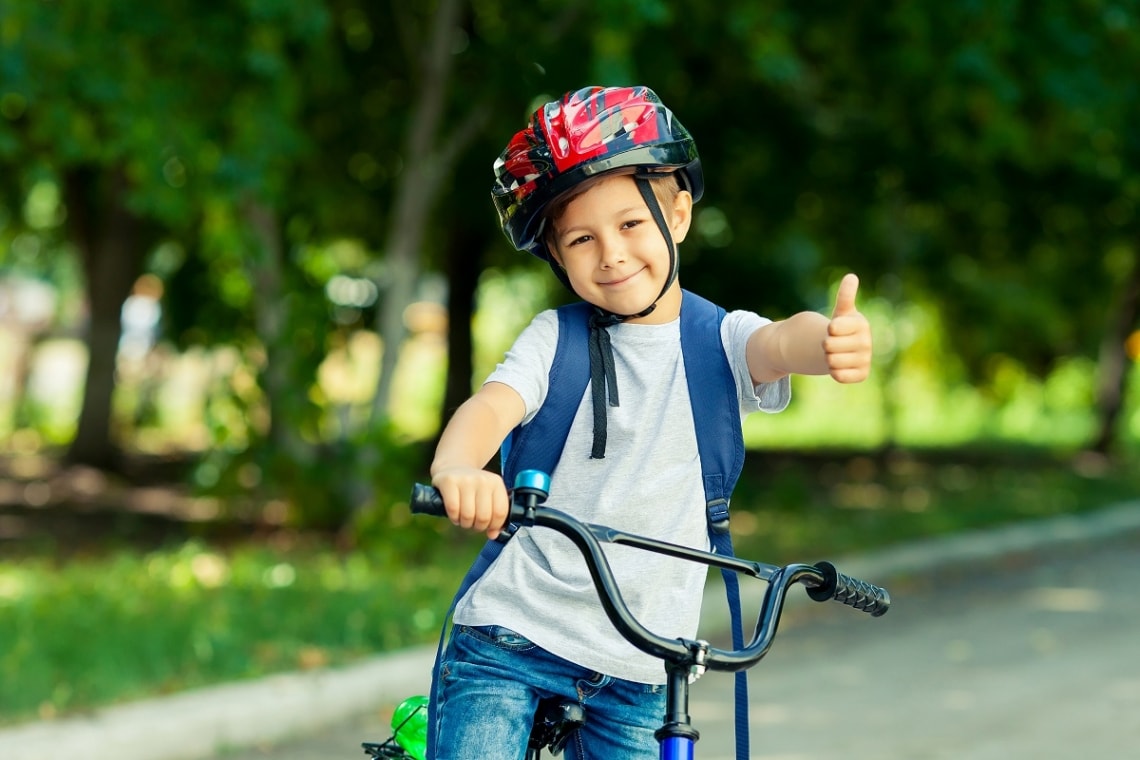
x=1034, y=657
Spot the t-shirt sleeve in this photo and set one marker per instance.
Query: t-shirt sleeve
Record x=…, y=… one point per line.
x=735, y=331
x=526, y=365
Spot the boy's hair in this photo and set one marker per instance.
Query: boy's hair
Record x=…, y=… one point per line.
x=665, y=188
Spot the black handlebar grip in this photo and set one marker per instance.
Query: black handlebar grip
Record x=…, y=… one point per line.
x=427, y=501
x=863, y=596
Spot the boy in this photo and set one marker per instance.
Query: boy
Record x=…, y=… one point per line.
x=601, y=185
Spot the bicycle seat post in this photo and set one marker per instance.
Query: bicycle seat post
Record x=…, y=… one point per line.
x=677, y=735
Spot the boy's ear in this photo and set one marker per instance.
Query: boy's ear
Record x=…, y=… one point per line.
x=682, y=216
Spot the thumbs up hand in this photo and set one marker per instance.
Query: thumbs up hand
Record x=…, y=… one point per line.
x=847, y=346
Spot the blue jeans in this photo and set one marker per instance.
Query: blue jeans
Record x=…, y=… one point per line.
x=489, y=685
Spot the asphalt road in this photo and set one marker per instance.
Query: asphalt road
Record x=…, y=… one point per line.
x=1030, y=656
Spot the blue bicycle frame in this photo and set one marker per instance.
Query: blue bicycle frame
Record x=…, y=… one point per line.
x=683, y=658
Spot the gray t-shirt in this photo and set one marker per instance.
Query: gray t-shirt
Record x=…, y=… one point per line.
x=649, y=483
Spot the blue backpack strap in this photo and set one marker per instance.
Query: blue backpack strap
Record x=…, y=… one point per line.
x=720, y=445
x=538, y=444
x=534, y=446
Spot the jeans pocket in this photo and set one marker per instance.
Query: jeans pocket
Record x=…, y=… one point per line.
x=497, y=636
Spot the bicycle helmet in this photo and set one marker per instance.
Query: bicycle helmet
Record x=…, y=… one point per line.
x=583, y=134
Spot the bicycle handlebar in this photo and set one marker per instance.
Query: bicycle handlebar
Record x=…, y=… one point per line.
x=823, y=581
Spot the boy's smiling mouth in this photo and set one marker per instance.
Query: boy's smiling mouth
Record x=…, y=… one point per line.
x=621, y=280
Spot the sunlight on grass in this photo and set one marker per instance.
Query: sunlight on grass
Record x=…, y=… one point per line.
x=197, y=615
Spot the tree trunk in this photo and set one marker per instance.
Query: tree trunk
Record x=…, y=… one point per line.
x=1112, y=365
x=425, y=164
x=111, y=243
x=464, y=262
x=402, y=273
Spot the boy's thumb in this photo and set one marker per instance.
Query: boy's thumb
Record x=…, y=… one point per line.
x=845, y=298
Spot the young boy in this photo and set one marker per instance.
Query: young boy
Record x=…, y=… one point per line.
x=601, y=185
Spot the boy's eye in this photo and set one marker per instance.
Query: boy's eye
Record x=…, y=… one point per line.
x=582, y=239
x=630, y=224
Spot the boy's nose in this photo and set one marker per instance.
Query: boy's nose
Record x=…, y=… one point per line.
x=613, y=252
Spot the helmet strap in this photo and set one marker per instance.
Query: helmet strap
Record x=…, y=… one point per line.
x=603, y=378
x=645, y=187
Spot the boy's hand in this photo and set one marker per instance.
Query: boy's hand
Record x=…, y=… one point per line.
x=474, y=498
x=847, y=346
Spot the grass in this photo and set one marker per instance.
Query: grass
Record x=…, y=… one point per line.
x=105, y=629
x=95, y=630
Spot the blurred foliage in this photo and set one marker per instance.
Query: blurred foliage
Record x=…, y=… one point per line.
x=787, y=506
x=279, y=167
x=320, y=493
x=975, y=163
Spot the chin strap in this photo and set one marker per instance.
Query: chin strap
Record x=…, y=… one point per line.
x=603, y=375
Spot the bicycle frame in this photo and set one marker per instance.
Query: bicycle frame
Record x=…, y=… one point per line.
x=683, y=658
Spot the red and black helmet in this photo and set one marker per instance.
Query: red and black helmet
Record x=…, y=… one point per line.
x=586, y=133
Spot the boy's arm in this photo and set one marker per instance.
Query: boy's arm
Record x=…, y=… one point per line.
x=810, y=343
x=474, y=497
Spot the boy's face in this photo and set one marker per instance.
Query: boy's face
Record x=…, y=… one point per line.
x=612, y=251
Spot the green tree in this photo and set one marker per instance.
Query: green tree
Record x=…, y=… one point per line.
x=164, y=122
x=975, y=156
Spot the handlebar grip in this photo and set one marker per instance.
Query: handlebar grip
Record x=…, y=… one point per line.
x=863, y=596
x=427, y=501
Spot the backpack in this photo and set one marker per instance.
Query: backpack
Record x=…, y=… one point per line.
x=720, y=445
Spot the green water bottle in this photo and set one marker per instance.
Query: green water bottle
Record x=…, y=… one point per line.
x=409, y=726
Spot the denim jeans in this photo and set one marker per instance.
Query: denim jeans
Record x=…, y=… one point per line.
x=489, y=685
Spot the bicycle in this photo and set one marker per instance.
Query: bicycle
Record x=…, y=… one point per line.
x=685, y=660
